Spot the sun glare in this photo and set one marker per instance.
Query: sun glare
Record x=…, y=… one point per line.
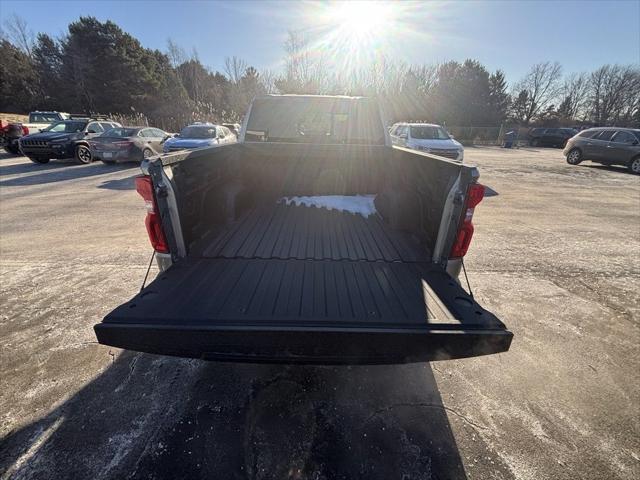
x=353, y=37
x=361, y=19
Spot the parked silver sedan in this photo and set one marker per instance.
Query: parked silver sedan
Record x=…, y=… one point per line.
x=128, y=144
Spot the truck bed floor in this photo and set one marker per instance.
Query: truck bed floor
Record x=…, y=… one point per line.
x=305, y=265
x=302, y=232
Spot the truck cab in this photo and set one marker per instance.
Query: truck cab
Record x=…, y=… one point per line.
x=39, y=120
x=312, y=240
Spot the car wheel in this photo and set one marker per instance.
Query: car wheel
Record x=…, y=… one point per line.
x=535, y=142
x=574, y=157
x=83, y=154
x=39, y=159
x=146, y=153
x=634, y=166
x=13, y=148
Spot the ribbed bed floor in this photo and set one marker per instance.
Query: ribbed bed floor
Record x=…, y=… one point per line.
x=308, y=233
x=309, y=267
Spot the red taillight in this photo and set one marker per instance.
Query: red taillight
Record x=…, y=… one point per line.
x=475, y=194
x=144, y=187
x=25, y=130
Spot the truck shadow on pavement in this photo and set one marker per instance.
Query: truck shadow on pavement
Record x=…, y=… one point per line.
x=56, y=172
x=30, y=167
x=157, y=417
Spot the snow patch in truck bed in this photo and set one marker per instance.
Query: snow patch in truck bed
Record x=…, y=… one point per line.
x=358, y=204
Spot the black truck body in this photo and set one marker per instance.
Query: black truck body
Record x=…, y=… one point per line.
x=257, y=278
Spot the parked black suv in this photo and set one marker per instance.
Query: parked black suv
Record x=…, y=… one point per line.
x=609, y=146
x=65, y=139
x=550, y=137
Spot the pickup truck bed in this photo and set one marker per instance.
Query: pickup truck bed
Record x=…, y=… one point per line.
x=310, y=241
x=331, y=286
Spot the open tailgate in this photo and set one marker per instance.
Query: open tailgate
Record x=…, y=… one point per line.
x=305, y=311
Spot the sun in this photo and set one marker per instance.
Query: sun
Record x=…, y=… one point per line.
x=354, y=38
x=358, y=20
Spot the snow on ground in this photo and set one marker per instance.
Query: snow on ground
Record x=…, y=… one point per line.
x=358, y=204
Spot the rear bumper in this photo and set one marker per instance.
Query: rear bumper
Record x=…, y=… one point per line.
x=117, y=156
x=304, y=346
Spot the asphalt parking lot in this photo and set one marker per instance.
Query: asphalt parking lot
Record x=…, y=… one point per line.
x=556, y=256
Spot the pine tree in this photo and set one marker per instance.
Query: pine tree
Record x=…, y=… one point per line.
x=498, y=97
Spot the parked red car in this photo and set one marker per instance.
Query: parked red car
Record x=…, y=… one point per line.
x=10, y=132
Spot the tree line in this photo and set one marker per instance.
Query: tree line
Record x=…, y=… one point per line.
x=96, y=67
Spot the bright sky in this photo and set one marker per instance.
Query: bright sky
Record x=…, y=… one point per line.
x=508, y=35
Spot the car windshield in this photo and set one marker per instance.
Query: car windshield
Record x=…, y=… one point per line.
x=429, y=133
x=120, y=132
x=66, y=127
x=198, y=132
x=43, y=117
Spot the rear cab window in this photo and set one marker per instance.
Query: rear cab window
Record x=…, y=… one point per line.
x=326, y=120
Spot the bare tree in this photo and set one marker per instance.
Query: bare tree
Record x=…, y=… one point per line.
x=18, y=33
x=268, y=81
x=574, y=95
x=298, y=61
x=304, y=73
x=176, y=53
x=542, y=85
x=235, y=68
x=614, y=93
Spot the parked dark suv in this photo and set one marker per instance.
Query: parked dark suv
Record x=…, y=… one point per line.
x=65, y=139
x=609, y=146
x=550, y=137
